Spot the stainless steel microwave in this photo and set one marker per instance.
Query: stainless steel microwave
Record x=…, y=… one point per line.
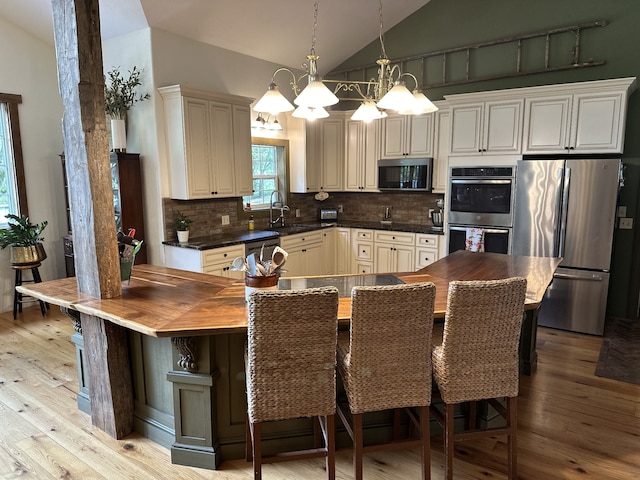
x=405, y=174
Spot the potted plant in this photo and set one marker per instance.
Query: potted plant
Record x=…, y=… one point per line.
x=120, y=95
x=25, y=240
x=181, y=224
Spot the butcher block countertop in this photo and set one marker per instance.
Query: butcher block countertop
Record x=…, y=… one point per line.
x=164, y=302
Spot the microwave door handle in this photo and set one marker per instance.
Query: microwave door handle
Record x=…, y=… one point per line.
x=565, y=211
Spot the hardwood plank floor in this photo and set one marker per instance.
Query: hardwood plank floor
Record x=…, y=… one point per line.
x=572, y=424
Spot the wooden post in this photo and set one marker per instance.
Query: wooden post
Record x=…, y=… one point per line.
x=81, y=81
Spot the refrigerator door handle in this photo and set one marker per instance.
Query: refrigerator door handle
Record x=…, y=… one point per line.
x=558, y=202
x=565, y=276
x=565, y=209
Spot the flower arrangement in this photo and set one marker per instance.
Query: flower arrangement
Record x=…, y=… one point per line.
x=120, y=95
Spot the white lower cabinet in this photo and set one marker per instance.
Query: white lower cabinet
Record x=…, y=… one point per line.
x=343, y=250
x=328, y=251
x=304, y=254
x=394, y=251
x=215, y=261
x=426, y=249
x=362, y=250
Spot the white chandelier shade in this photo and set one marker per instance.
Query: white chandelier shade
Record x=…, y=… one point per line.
x=368, y=112
x=316, y=95
x=273, y=102
x=310, y=113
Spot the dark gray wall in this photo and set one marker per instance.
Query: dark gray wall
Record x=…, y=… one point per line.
x=443, y=24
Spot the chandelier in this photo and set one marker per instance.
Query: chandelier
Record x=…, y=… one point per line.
x=387, y=92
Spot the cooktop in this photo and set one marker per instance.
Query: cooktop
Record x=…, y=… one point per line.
x=344, y=284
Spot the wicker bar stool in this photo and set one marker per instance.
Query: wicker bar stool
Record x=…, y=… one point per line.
x=19, y=298
x=290, y=366
x=478, y=359
x=385, y=363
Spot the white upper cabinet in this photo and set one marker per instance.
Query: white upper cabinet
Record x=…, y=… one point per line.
x=590, y=122
x=362, y=141
x=441, y=137
x=491, y=127
x=209, y=143
x=317, y=154
x=407, y=136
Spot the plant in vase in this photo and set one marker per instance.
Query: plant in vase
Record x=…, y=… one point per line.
x=181, y=225
x=120, y=95
x=25, y=240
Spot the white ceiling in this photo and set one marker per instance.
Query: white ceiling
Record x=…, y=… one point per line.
x=279, y=31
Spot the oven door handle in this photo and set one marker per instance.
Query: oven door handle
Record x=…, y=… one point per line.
x=486, y=230
x=483, y=181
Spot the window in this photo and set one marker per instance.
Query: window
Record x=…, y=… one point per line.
x=12, y=189
x=269, y=172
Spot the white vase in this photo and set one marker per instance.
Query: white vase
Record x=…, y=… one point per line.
x=183, y=236
x=118, y=135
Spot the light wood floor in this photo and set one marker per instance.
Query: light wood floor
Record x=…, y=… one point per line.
x=572, y=424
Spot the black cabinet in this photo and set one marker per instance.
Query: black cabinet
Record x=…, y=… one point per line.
x=126, y=181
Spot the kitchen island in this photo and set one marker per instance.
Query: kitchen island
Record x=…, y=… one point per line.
x=186, y=334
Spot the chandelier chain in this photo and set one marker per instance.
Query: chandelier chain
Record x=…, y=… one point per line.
x=315, y=25
x=384, y=52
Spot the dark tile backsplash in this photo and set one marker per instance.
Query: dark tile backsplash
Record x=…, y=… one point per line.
x=410, y=208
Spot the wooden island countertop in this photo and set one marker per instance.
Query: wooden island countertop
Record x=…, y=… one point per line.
x=164, y=302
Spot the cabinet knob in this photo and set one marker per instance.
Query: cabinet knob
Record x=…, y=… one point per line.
x=566, y=148
x=570, y=148
x=225, y=254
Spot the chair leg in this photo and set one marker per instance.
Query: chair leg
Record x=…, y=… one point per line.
x=425, y=436
x=330, y=434
x=16, y=295
x=512, y=412
x=395, y=435
x=472, y=425
x=256, y=432
x=358, y=446
x=448, y=442
x=248, y=442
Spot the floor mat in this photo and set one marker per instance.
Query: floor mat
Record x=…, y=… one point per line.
x=620, y=352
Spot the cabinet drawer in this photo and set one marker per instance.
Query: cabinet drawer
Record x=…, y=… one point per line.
x=221, y=255
x=426, y=240
x=364, y=267
x=395, y=238
x=300, y=239
x=363, y=234
x=363, y=250
x=425, y=256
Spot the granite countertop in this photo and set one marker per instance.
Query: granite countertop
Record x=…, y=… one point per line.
x=217, y=241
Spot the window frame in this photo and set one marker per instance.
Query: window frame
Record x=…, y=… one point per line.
x=283, y=168
x=12, y=101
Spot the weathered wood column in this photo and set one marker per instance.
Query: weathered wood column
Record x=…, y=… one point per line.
x=81, y=81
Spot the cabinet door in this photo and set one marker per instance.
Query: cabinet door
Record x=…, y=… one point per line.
x=295, y=266
x=242, y=151
x=546, y=124
x=404, y=259
x=332, y=148
x=196, y=131
x=328, y=252
x=354, y=153
x=314, y=264
x=596, y=121
x=393, y=135
x=419, y=138
x=313, y=166
x=384, y=258
x=425, y=256
x=343, y=251
x=222, y=175
x=371, y=155
x=466, y=128
x=441, y=156
x=503, y=127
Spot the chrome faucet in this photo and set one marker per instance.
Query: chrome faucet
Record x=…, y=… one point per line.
x=279, y=204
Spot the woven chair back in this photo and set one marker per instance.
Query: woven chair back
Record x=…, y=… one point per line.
x=390, y=347
x=479, y=357
x=291, y=354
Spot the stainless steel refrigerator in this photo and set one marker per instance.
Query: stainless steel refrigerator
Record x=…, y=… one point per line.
x=566, y=208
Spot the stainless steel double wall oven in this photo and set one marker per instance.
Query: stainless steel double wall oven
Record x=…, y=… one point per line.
x=481, y=197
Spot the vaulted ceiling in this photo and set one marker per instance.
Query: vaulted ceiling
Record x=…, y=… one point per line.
x=279, y=31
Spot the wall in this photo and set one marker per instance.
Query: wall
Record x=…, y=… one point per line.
x=29, y=69
x=442, y=24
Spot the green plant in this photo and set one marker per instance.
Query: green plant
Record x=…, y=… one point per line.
x=182, y=222
x=120, y=94
x=21, y=232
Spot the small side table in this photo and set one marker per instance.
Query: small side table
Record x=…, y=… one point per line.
x=18, y=298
